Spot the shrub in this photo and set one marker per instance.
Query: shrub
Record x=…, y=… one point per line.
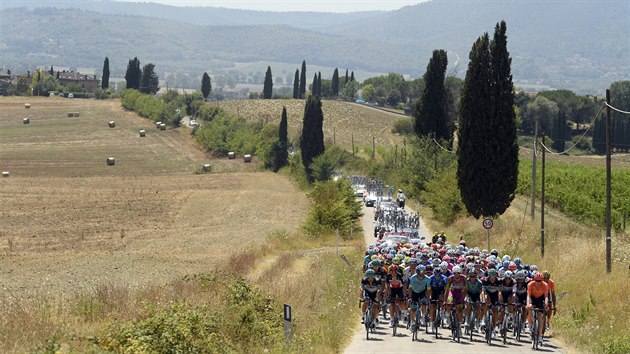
x=333, y=206
x=442, y=196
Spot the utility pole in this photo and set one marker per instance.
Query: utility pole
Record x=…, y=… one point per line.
x=352, y=144
x=608, y=182
x=542, y=203
x=373, y=148
x=534, y=172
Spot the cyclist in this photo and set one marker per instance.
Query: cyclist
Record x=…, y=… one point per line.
x=437, y=282
x=370, y=290
x=419, y=290
x=456, y=290
x=491, y=296
x=401, y=199
x=520, y=291
x=507, y=293
x=394, y=290
x=552, y=290
x=474, y=285
x=537, y=297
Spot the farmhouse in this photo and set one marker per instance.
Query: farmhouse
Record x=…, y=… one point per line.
x=5, y=82
x=88, y=83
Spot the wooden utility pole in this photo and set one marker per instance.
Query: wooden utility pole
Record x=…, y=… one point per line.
x=373, y=148
x=542, y=202
x=608, y=182
x=352, y=144
x=533, y=211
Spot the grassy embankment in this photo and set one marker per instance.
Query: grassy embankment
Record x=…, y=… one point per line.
x=594, y=311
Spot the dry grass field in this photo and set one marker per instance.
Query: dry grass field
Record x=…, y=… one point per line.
x=69, y=222
x=342, y=120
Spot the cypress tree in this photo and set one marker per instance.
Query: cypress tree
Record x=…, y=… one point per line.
x=312, y=140
x=303, y=79
x=51, y=71
x=133, y=74
x=430, y=113
x=282, y=155
x=347, y=77
x=352, y=76
x=105, y=77
x=268, y=87
x=487, y=147
x=206, y=85
x=314, y=86
x=599, y=135
x=150, y=83
x=559, y=135
x=296, y=84
x=319, y=84
x=335, y=83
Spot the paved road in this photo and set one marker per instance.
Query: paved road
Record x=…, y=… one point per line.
x=383, y=341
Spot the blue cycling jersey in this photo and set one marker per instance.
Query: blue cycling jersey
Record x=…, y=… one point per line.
x=419, y=284
x=437, y=280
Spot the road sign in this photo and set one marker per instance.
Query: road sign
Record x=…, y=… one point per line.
x=287, y=312
x=287, y=323
x=487, y=223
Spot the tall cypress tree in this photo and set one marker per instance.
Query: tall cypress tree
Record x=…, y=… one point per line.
x=487, y=147
x=431, y=113
x=133, y=74
x=314, y=86
x=599, y=135
x=559, y=131
x=352, y=76
x=51, y=71
x=312, y=140
x=347, y=77
x=105, y=77
x=319, y=84
x=268, y=87
x=150, y=82
x=282, y=155
x=206, y=85
x=296, y=84
x=335, y=83
x=303, y=79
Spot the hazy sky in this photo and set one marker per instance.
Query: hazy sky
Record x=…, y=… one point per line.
x=295, y=5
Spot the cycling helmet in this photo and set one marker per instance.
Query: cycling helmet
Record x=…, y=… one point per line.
x=429, y=268
x=492, y=273
x=512, y=266
x=461, y=259
x=424, y=256
x=509, y=274
x=539, y=277
x=472, y=272
x=491, y=265
x=412, y=261
x=446, y=258
x=393, y=268
x=444, y=266
x=421, y=268
x=533, y=268
x=494, y=252
x=506, y=258
x=435, y=262
x=373, y=257
x=501, y=273
x=462, y=242
x=546, y=274
x=376, y=263
x=370, y=273
x=457, y=269
x=506, y=264
x=517, y=261
x=521, y=275
x=437, y=270
x=407, y=259
x=371, y=251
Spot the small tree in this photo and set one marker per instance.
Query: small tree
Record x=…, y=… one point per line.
x=303, y=79
x=314, y=86
x=559, y=135
x=206, y=85
x=283, y=139
x=335, y=83
x=319, y=84
x=133, y=74
x=105, y=77
x=268, y=86
x=350, y=90
x=150, y=82
x=312, y=140
x=296, y=84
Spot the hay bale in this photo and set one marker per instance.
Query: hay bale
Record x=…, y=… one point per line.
x=5, y=173
x=111, y=161
x=112, y=124
x=27, y=105
x=247, y=158
x=231, y=155
x=76, y=114
x=70, y=114
x=157, y=124
x=206, y=168
x=142, y=133
x=162, y=126
x=26, y=121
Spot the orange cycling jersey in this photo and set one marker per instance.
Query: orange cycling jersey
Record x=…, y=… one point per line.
x=551, y=285
x=537, y=290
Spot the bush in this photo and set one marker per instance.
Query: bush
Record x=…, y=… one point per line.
x=333, y=206
x=443, y=197
x=226, y=133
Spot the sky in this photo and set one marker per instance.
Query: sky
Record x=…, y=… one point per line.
x=295, y=5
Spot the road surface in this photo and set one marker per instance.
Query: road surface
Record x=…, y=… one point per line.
x=383, y=341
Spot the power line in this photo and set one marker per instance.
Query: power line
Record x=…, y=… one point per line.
x=442, y=147
x=616, y=109
x=579, y=140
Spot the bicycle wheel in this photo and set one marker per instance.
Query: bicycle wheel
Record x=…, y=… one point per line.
x=437, y=321
x=471, y=323
x=489, y=327
x=368, y=321
x=534, y=330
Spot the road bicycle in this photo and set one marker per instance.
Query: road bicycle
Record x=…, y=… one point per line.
x=437, y=320
x=369, y=319
x=472, y=319
x=489, y=321
x=504, y=327
x=536, y=338
x=455, y=327
x=518, y=321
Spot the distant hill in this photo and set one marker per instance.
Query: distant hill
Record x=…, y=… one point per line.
x=578, y=45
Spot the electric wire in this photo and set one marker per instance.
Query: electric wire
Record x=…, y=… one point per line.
x=579, y=140
x=442, y=147
x=616, y=109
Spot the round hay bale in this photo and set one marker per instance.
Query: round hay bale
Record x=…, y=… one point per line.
x=26, y=120
x=5, y=173
x=70, y=114
x=142, y=133
x=158, y=124
x=206, y=168
x=112, y=124
x=111, y=161
x=27, y=105
x=231, y=155
x=247, y=158
x=162, y=126
x=76, y=114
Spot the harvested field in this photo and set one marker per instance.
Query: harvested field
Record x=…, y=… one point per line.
x=69, y=222
x=341, y=120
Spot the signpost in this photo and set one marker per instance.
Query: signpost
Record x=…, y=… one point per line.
x=487, y=224
x=287, y=323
